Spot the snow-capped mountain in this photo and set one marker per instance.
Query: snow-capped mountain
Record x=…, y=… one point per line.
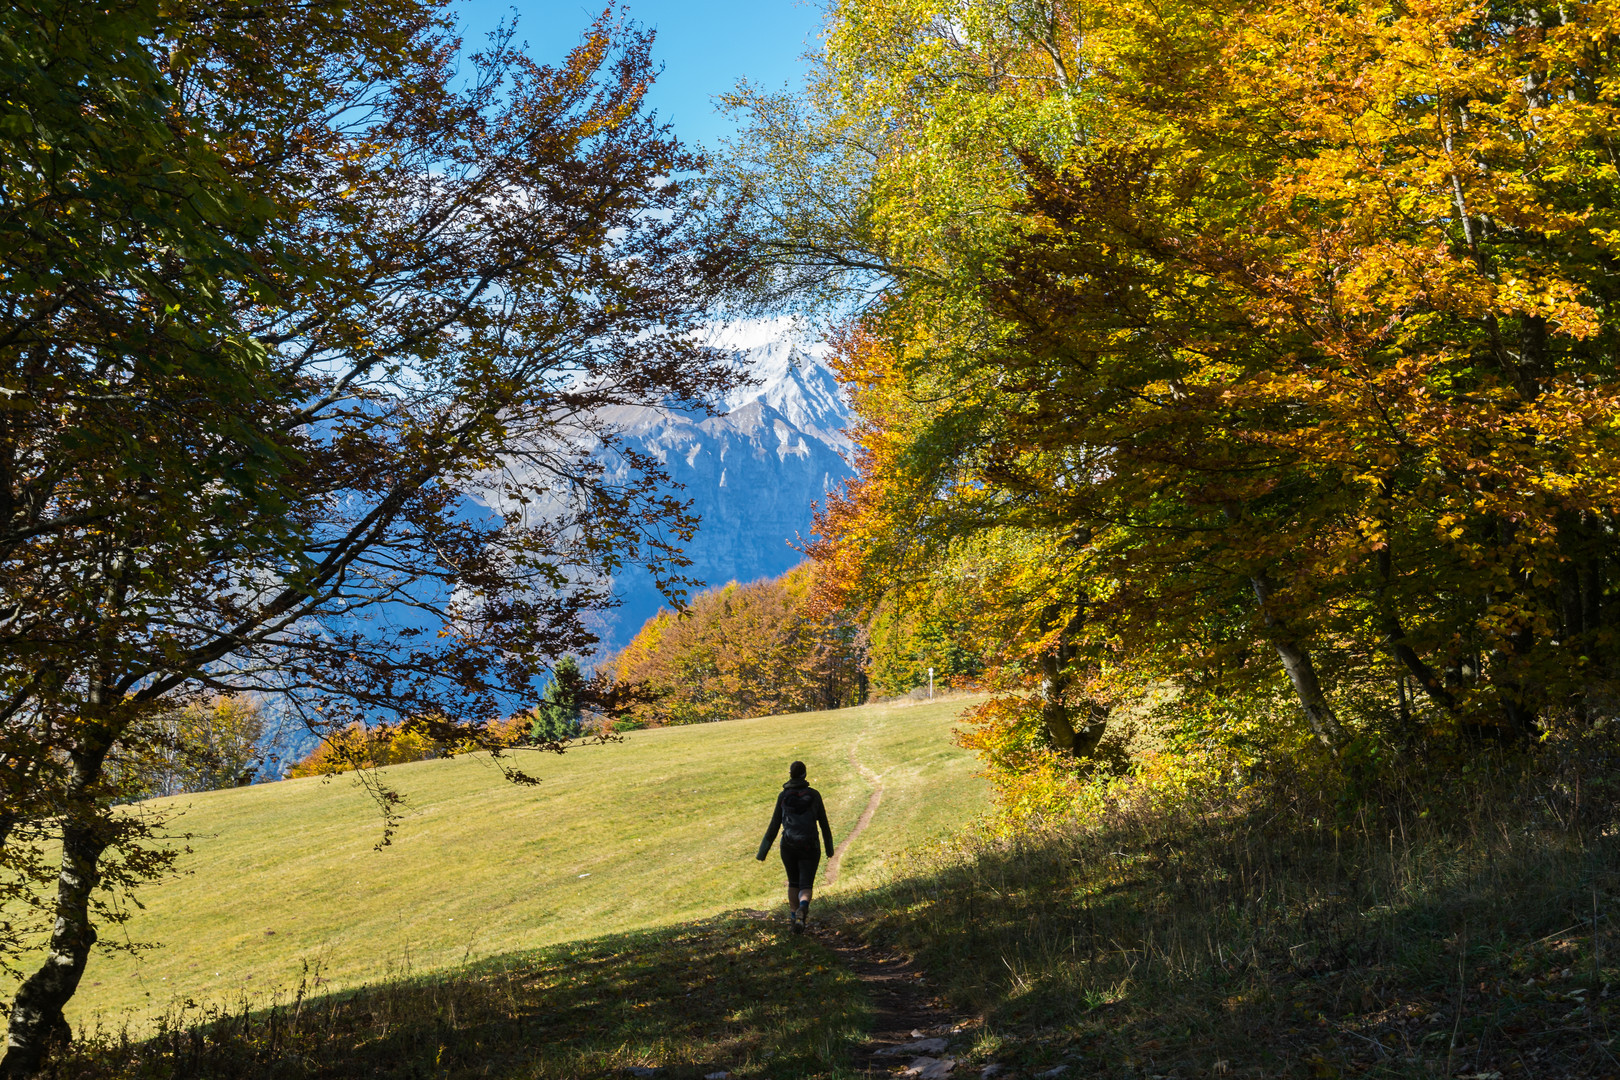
x=799, y=386
x=752, y=473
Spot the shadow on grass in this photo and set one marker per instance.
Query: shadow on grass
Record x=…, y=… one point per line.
x=1465, y=930
x=1454, y=927
x=730, y=994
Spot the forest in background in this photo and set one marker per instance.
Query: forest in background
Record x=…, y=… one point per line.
x=765, y=648
x=777, y=646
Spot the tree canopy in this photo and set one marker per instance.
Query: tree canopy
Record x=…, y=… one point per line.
x=307, y=324
x=1263, y=349
x=744, y=650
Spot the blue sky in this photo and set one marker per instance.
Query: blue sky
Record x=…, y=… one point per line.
x=705, y=46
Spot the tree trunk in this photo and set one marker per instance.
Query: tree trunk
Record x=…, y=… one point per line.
x=1422, y=673
x=1592, y=594
x=1296, y=661
x=1055, y=706
x=1087, y=738
x=1521, y=720
x=1395, y=639
x=37, y=1023
x=1308, y=688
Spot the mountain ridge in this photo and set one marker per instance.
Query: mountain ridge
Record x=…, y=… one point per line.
x=752, y=473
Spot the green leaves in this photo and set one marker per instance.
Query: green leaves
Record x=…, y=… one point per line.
x=309, y=342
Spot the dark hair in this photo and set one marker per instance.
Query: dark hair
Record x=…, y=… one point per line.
x=796, y=770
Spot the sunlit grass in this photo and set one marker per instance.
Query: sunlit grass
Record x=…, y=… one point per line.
x=648, y=833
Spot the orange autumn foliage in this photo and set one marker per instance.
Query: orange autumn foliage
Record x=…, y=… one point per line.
x=743, y=650
x=359, y=747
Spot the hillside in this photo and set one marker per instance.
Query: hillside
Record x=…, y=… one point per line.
x=1180, y=931
x=657, y=830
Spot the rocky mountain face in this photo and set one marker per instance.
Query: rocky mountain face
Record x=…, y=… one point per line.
x=753, y=473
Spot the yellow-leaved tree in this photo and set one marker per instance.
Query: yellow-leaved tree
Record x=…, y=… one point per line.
x=1272, y=345
x=743, y=650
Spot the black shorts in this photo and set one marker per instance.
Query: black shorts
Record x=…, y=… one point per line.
x=801, y=865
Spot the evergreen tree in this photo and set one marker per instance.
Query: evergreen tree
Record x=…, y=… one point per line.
x=558, y=715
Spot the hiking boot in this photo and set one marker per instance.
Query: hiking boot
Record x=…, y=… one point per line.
x=801, y=917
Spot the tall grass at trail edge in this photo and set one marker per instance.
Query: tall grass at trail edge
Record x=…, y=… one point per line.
x=1461, y=926
x=727, y=994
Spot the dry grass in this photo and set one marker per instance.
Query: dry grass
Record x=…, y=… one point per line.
x=1458, y=927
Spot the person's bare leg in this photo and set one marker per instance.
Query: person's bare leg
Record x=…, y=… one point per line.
x=804, y=906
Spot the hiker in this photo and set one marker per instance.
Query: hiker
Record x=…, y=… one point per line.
x=798, y=811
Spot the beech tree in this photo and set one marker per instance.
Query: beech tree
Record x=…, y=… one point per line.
x=1352, y=429
x=307, y=422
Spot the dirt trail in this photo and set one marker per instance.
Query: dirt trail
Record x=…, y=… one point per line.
x=863, y=821
x=904, y=1007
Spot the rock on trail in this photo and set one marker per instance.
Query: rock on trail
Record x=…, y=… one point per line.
x=921, y=1046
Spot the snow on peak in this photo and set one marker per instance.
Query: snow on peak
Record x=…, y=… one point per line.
x=797, y=384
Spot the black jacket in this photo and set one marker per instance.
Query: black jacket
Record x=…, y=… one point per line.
x=794, y=787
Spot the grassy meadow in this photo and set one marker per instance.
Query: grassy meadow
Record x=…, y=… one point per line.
x=283, y=878
x=614, y=918
x=730, y=993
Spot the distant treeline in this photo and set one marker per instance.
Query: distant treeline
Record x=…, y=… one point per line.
x=560, y=716
x=361, y=747
x=777, y=646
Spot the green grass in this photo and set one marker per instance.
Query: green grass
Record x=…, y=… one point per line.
x=1428, y=923
x=655, y=831
x=728, y=993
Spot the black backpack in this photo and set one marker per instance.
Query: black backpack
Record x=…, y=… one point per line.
x=799, y=819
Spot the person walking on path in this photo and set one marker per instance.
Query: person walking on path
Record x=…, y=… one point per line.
x=798, y=811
